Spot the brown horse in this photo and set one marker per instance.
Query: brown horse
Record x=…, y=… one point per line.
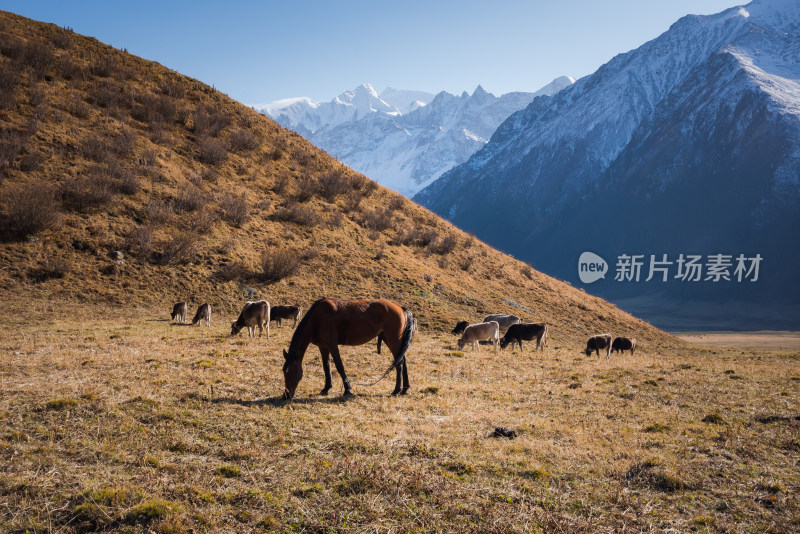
x=329, y=323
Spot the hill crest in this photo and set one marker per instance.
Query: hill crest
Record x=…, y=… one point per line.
x=165, y=189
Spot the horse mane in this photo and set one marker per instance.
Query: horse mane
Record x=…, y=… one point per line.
x=292, y=353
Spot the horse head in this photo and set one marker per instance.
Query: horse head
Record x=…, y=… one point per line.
x=292, y=373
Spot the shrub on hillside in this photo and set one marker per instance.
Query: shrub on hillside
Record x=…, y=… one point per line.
x=235, y=209
x=181, y=248
x=69, y=69
x=103, y=66
x=94, y=148
x=11, y=144
x=31, y=161
x=278, y=263
x=209, y=121
x=527, y=272
x=172, y=88
x=140, y=241
x=38, y=57
x=306, y=188
x=106, y=95
x=242, y=140
x=158, y=211
x=233, y=270
x=298, y=214
x=62, y=39
x=189, y=198
x=154, y=109
x=376, y=220
x=28, y=210
x=9, y=77
x=332, y=184
x=50, y=267
x=87, y=192
x=212, y=151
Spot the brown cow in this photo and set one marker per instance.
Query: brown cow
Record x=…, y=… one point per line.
x=179, y=312
x=525, y=331
x=597, y=343
x=203, y=314
x=622, y=344
x=254, y=314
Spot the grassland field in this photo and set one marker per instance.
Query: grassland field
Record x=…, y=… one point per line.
x=124, y=421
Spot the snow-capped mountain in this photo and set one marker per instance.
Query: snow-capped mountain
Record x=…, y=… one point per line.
x=688, y=144
x=402, y=139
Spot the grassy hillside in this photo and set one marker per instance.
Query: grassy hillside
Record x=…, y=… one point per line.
x=102, y=151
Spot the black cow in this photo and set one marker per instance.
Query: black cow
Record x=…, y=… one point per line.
x=622, y=344
x=598, y=343
x=518, y=332
x=278, y=313
x=460, y=326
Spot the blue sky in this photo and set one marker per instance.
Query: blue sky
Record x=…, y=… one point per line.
x=257, y=52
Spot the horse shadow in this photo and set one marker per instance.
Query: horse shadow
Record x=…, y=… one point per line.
x=279, y=402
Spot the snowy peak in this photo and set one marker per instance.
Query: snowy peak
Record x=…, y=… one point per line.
x=404, y=100
x=402, y=139
x=364, y=99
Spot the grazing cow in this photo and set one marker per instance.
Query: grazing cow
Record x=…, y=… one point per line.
x=622, y=344
x=525, y=331
x=254, y=314
x=597, y=343
x=460, y=326
x=179, y=312
x=203, y=314
x=503, y=320
x=477, y=332
x=278, y=313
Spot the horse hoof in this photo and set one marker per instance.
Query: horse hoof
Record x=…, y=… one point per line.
x=395, y=392
x=348, y=394
x=404, y=392
x=324, y=391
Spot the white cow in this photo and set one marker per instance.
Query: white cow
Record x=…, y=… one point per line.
x=477, y=332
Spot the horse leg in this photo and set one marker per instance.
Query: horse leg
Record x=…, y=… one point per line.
x=337, y=361
x=406, y=383
x=326, y=366
x=397, y=382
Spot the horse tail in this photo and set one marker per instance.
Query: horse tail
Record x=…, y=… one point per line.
x=380, y=339
x=405, y=341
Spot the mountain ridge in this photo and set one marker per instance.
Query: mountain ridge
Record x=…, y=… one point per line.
x=404, y=151
x=645, y=126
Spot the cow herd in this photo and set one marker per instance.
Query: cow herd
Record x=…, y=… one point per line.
x=492, y=326
x=515, y=331
x=254, y=314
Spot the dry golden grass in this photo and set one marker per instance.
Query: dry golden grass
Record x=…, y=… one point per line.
x=124, y=421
